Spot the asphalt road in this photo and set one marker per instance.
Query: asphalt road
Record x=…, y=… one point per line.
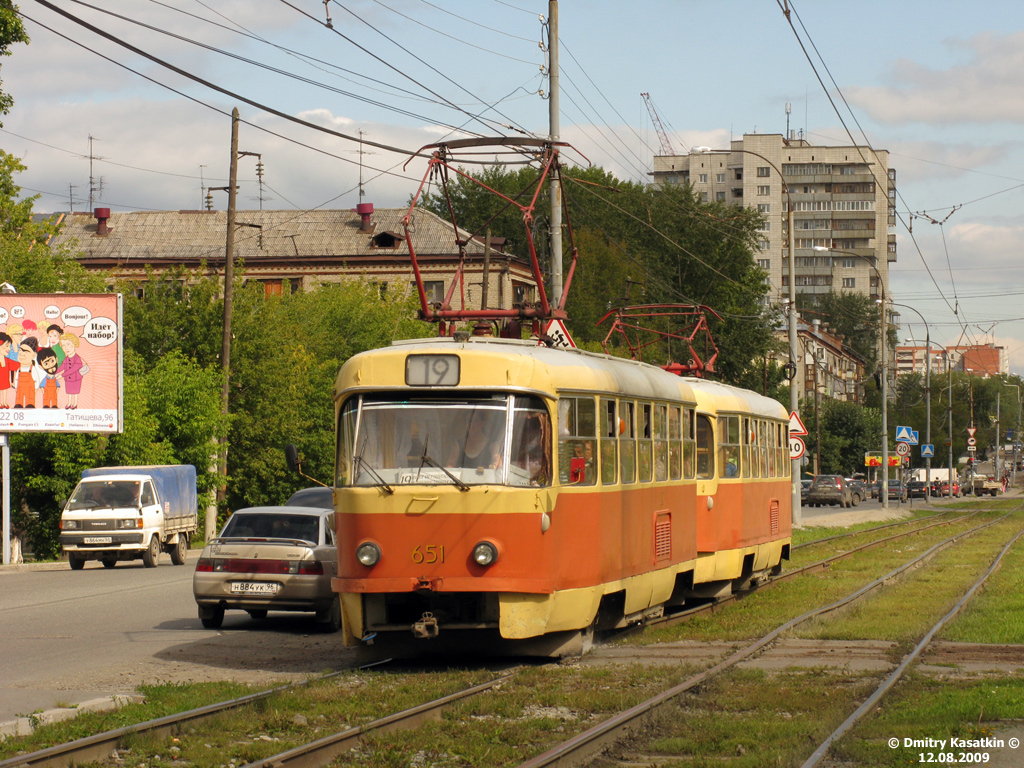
x=70, y=636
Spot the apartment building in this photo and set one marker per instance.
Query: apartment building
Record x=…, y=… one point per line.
x=982, y=360
x=842, y=198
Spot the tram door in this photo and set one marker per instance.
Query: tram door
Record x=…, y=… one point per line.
x=707, y=484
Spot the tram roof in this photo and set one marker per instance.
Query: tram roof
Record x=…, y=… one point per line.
x=524, y=364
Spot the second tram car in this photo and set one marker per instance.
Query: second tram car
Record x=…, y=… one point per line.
x=497, y=496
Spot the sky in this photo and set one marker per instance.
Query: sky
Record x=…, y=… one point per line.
x=939, y=84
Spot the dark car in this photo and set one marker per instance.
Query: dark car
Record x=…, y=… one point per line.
x=858, y=490
x=829, y=489
x=320, y=497
x=897, y=491
x=917, y=489
x=805, y=488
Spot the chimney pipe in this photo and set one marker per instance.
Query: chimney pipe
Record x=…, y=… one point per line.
x=102, y=214
x=365, y=211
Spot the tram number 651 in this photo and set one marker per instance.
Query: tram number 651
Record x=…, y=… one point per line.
x=429, y=554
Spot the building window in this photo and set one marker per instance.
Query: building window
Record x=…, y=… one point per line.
x=720, y=196
x=765, y=264
x=434, y=290
x=847, y=262
x=849, y=282
x=765, y=226
x=764, y=245
x=703, y=178
x=764, y=208
x=523, y=294
x=720, y=178
x=764, y=189
x=763, y=171
x=703, y=197
x=271, y=287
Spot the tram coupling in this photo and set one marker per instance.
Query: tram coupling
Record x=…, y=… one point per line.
x=426, y=627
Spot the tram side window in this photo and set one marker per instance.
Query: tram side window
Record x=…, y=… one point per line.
x=705, y=448
x=772, y=447
x=661, y=442
x=762, y=448
x=627, y=440
x=675, y=442
x=577, y=441
x=531, y=443
x=644, y=443
x=729, y=445
x=346, y=439
x=609, y=441
x=689, y=444
x=784, y=462
x=747, y=439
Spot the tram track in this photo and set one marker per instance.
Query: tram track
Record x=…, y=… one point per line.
x=583, y=747
x=321, y=751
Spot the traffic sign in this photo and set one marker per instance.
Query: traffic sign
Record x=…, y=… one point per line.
x=906, y=435
x=927, y=450
x=972, y=448
x=559, y=335
x=902, y=448
x=971, y=431
x=972, y=441
x=796, y=447
x=796, y=427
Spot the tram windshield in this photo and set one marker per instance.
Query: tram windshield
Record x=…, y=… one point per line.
x=395, y=440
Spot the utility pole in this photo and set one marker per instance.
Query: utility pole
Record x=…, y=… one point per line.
x=554, y=185
x=229, y=279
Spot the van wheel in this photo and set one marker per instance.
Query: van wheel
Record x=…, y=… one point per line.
x=180, y=551
x=77, y=563
x=151, y=556
x=109, y=562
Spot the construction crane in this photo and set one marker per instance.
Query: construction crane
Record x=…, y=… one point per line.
x=666, y=145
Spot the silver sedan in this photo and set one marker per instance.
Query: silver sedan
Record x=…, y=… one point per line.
x=270, y=559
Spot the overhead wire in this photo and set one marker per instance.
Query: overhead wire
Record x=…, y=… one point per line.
x=828, y=95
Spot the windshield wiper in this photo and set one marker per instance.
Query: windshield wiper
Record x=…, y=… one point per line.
x=360, y=462
x=425, y=459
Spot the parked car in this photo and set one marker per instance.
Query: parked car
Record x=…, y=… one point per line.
x=917, y=489
x=829, y=489
x=897, y=491
x=858, y=490
x=270, y=559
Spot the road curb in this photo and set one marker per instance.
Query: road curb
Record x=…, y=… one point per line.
x=26, y=726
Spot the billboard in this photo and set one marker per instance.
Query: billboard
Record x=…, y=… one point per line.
x=875, y=460
x=61, y=362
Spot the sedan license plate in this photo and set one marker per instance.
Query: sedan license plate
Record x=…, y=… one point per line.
x=254, y=588
x=97, y=540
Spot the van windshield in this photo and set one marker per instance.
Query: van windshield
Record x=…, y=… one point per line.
x=105, y=495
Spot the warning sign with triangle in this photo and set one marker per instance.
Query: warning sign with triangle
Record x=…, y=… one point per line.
x=796, y=427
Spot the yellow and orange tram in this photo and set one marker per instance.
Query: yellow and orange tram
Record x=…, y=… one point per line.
x=497, y=496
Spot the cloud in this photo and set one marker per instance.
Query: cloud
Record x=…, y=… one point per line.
x=984, y=89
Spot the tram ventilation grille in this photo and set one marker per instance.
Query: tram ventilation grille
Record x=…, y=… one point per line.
x=663, y=538
x=773, y=516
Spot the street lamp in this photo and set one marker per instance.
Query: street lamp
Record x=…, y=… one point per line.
x=792, y=332
x=882, y=349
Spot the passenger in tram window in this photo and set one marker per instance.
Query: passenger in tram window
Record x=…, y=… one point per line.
x=531, y=436
x=730, y=468
x=481, y=446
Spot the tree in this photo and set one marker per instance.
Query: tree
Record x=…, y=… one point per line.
x=11, y=31
x=848, y=431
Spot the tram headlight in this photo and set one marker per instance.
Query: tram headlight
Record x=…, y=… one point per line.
x=485, y=553
x=368, y=553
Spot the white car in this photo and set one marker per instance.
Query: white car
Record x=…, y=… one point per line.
x=270, y=559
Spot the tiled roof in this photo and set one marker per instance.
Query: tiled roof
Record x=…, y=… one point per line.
x=151, y=236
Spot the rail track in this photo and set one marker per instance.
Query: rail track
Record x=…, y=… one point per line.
x=573, y=752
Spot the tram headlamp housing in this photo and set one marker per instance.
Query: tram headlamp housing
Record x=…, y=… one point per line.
x=485, y=553
x=368, y=553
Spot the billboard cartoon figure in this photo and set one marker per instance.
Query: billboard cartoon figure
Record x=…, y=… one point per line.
x=47, y=359
x=25, y=392
x=72, y=369
x=7, y=368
